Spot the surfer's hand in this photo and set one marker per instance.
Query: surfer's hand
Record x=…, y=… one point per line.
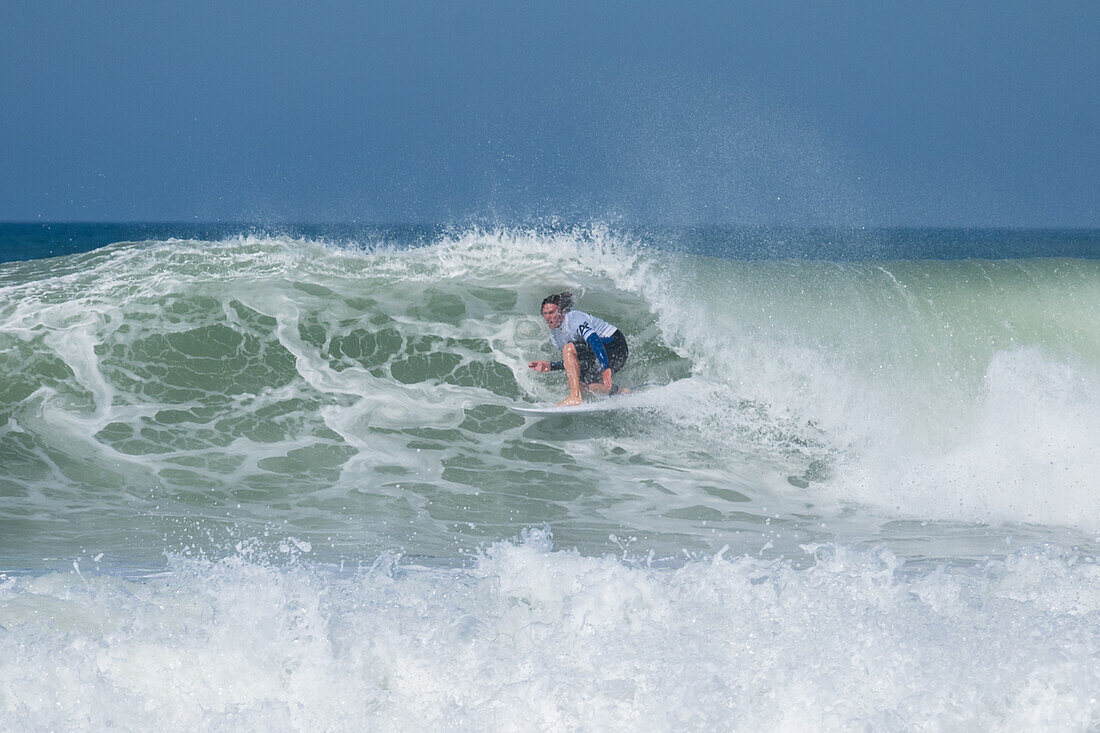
x=607, y=379
x=540, y=366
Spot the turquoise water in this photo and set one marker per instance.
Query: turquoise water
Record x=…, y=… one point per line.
x=247, y=476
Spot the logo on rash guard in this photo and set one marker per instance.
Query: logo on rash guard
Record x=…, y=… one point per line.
x=583, y=329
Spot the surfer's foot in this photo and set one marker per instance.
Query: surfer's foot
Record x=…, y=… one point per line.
x=571, y=400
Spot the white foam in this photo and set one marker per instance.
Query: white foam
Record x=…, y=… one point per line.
x=1025, y=451
x=954, y=391
x=536, y=638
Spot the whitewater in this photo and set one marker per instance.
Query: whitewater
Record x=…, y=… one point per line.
x=271, y=481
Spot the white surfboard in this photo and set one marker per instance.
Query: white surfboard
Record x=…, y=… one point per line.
x=546, y=410
x=593, y=404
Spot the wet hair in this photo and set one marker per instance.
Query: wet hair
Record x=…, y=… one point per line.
x=564, y=301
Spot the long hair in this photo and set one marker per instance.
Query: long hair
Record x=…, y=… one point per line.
x=564, y=301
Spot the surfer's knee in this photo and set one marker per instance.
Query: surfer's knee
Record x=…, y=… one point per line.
x=569, y=350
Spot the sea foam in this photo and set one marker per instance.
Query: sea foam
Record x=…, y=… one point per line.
x=533, y=637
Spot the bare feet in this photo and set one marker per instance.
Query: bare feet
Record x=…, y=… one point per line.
x=570, y=400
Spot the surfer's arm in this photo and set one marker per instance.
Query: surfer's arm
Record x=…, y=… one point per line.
x=596, y=343
x=544, y=366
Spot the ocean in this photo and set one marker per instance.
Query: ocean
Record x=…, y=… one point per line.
x=270, y=479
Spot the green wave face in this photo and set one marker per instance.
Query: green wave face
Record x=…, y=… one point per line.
x=192, y=392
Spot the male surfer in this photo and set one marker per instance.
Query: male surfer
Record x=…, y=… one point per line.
x=591, y=348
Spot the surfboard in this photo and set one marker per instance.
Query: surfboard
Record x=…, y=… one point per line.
x=546, y=410
x=598, y=404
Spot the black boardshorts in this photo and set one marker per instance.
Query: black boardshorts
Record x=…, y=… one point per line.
x=591, y=370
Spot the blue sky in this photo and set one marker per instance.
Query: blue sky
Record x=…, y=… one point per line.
x=865, y=113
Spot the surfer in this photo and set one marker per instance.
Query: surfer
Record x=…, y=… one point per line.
x=592, y=350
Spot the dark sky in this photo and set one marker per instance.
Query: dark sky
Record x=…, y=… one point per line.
x=918, y=113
